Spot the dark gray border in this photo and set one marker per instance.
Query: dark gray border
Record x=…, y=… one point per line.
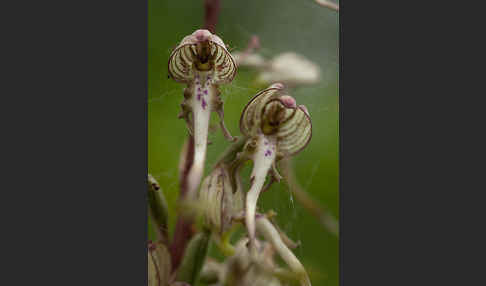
x=406, y=140
x=75, y=148
x=78, y=71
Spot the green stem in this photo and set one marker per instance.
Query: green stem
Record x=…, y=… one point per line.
x=230, y=153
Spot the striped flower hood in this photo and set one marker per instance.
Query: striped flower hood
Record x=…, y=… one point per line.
x=273, y=113
x=202, y=51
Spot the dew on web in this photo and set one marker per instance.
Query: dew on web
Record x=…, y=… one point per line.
x=292, y=206
x=293, y=210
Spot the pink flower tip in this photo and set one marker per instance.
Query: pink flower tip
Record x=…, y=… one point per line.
x=202, y=35
x=288, y=101
x=277, y=85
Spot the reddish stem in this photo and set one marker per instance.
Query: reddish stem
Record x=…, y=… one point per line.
x=211, y=8
x=184, y=229
x=186, y=160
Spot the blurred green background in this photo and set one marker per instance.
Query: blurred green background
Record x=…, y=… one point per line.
x=283, y=25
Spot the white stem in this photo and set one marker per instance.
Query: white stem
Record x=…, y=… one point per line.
x=268, y=230
x=262, y=162
x=201, y=109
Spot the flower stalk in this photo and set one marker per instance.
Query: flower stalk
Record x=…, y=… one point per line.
x=211, y=15
x=184, y=229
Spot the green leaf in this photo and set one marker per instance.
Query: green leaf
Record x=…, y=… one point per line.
x=157, y=208
x=193, y=259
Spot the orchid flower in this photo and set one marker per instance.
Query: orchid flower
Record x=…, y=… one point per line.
x=276, y=128
x=290, y=68
x=202, y=62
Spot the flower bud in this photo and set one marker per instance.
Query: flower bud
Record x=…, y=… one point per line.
x=157, y=208
x=159, y=265
x=218, y=200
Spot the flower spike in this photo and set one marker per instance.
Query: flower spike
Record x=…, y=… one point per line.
x=202, y=62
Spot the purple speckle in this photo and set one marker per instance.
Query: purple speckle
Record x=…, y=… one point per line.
x=198, y=96
x=268, y=153
x=205, y=91
x=204, y=103
x=198, y=89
